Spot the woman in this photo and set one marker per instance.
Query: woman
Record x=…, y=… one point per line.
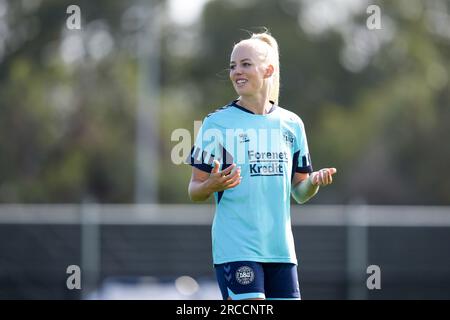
x=252, y=154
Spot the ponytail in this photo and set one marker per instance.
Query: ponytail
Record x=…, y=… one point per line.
x=274, y=59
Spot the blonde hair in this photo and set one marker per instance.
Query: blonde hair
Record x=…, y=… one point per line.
x=273, y=57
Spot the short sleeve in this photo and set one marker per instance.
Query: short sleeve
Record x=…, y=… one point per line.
x=302, y=159
x=204, y=149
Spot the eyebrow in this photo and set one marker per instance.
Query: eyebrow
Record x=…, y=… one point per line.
x=241, y=60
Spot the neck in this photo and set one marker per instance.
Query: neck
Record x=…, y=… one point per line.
x=257, y=105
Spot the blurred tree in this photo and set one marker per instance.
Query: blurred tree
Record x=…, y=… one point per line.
x=372, y=100
x=67, y=105
x=375, y=102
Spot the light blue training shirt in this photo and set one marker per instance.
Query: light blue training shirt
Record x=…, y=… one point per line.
x=252, y=220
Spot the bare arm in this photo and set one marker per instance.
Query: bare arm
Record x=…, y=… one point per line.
x=305, y=186
x=203, y=184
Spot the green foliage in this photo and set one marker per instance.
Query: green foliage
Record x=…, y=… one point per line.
x=67, y=128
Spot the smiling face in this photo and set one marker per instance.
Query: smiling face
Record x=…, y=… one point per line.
x=248, y=70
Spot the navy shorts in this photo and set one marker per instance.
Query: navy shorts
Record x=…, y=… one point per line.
x=249, y=280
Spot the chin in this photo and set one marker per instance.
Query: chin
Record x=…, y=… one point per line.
x=241, y=92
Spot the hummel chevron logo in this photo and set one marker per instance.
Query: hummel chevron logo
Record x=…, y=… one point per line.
x=227, y=270
x=243, y=137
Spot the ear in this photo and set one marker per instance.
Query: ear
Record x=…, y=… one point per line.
x=269, y=71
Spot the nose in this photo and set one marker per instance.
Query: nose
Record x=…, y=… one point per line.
x=237, y=71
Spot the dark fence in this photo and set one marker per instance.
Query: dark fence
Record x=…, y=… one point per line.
x=414, y=259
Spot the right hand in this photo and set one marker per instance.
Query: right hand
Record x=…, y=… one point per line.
x=225, y=179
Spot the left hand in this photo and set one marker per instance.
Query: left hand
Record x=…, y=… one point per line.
x=323, y=177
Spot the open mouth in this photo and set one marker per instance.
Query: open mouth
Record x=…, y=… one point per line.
x=241, y=82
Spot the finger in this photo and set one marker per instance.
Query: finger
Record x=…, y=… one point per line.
x=327, y=176
x=228, y=170
x=330, y=176
x=332, y=170
x=324, y=177
x=234, y=184
x=314, y=178
x=216, y=167
x=321, y=177
x=232, y=177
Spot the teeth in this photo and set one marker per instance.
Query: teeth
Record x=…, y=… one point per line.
x=241, y=81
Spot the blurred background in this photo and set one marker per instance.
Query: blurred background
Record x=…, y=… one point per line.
x=90, y=123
